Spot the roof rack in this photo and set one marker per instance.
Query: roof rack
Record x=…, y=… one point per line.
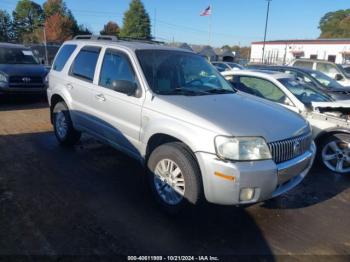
x=96, y=37
x=143, y=40
x=114, y=38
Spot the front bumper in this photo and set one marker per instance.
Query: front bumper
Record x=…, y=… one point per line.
x=23, y=90
x=266, y=178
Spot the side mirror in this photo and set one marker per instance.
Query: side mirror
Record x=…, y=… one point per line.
x=338, y=77
x=123, y=86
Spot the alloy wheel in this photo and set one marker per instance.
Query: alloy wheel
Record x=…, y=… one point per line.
x=61, y=124
x=169, y=182
x=336, y=156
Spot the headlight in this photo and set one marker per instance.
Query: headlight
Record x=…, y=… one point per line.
x=3, y=77
x=242, y=148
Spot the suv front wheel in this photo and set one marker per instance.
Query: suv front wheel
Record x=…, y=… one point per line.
x=63, y=126
x=174, y=177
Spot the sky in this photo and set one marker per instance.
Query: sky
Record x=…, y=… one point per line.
x=233, y=22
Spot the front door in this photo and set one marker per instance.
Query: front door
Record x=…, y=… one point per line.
x=119, y=114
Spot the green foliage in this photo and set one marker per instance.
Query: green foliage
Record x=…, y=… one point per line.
x=27, y=18
x=335, y=24
x=136, y=22
x=5, y=26
x=111, y=28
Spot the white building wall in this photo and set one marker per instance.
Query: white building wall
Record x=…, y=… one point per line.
x=286, y=53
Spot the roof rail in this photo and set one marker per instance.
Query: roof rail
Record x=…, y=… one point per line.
x=96, y=37
x=143, y=40
x=114, y=38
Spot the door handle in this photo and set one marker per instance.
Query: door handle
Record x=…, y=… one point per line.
x=69, y=86
x=100, y=97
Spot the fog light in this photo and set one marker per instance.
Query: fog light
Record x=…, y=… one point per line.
x=246, y=194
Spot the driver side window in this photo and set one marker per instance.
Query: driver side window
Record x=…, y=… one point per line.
x=265, y=89
x=116, y=66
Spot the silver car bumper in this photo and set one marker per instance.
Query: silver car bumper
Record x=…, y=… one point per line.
x=223, y=181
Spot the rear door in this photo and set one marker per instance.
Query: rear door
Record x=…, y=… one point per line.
x=119, y=114
x=80, y=85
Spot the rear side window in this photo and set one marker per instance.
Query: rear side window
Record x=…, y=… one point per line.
x=85, y=63
x=63, y=56
x=305, y=64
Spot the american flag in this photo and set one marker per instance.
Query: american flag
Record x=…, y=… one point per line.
x=206, y=12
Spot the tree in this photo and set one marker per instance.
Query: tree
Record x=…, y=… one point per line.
x=28, y=16
x=60, y=24
x=335, y=24
x=58, y=28
x=52, y=7
x=5, y=26
x=111, y=28
x=136, y=21
x=83, y=30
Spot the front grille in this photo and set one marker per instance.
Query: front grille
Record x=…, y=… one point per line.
x=25, y=80
x=288, y=149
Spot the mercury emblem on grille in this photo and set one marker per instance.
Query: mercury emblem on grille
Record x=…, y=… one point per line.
x=296, y=148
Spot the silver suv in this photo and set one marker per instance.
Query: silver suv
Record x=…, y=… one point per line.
x=173, y=111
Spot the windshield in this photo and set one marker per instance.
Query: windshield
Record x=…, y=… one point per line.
x=305, y=93
x=325, y=80
x=341, y=69
x=181, y=73
x=16, y=56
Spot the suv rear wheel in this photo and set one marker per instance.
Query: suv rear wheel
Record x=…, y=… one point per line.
x=334, y=153
x=174, y=177
x=63, y=126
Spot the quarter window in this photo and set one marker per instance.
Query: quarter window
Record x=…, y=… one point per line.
x=63, y=56
x=116, y=66
x=85, y=63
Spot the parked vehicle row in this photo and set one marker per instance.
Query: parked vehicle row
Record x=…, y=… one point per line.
x=333, y=70
x=329, y=118
x=314, y=78
x=198, y=138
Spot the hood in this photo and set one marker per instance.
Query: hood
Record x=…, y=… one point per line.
x=236, y=114
x=23, y=70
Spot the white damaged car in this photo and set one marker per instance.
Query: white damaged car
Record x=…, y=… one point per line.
x=329, y=119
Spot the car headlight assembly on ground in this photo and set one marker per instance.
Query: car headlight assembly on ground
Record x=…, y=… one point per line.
x=242, y=148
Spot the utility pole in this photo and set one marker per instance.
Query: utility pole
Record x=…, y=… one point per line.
x=45, y=45
x=267, y=20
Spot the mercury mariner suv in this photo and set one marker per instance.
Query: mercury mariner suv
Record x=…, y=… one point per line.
x=169, y=108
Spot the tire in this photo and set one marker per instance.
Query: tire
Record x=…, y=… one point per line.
x=62, y=120
x=334, y=153
x=183, y=161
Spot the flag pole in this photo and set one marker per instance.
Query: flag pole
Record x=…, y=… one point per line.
x=211, y=13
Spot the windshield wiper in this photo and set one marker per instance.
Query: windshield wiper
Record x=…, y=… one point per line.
x=188, y=91
x=220, y=91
